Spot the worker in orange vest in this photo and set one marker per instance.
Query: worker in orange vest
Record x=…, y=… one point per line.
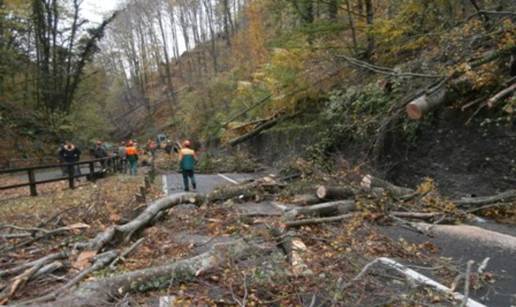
x=131, y=152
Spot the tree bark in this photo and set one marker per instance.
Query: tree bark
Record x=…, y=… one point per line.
x=321, y=220
x=369, y=182
x=127, y=230
x=305, y=200
x=334, y=193
x=324, y=209
x=424, y=104
x=470, y=202
x=370, y=35
x=103, y=291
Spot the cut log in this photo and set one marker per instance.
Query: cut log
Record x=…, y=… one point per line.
x=305, y=200
x=370, y=182
x=102, y=291
x=417, y=215
x=417, y=108
x=227, y=192
x=245, y=191
x=294, y=248
x=334, y=193
x=324, y=209
x=321, y=220
x=470, y=202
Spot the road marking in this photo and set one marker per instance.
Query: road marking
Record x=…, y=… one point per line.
x=165, y=184
x=228, y=179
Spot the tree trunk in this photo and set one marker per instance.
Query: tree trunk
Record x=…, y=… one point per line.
x=127, y=230
x=103, y=291
x=369, y=182
x=333, y=9
x=506, y=196
x=424, y=104
x=320, y=220
x=370, y=21
x=337, y=193
x=305, y=200
x=324, y=209
x=352, y=26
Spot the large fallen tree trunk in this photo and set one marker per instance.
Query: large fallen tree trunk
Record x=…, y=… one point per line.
x=321, y=220
x=472, y=233
x=305, y=200
x=470, y=202
x=370, y=182
x=142, y=220
x=264, y=126
x=103, y=291
x=324, y=209
x=449, y=89
x=334, y=193
x=246, y=190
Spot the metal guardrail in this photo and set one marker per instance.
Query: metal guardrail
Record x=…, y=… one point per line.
x=112, y=163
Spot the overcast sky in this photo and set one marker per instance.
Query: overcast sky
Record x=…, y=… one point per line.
x=95, y=10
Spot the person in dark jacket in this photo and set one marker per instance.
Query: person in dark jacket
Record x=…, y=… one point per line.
x=99, y=153
x=187, y=160
x=71, y=154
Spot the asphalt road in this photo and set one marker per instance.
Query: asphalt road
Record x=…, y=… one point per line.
x=173, y=183
x=460, y=248
x=463, y=248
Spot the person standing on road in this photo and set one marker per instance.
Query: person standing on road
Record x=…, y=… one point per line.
x=131, y=152
x=70, y=155
x=187, y=160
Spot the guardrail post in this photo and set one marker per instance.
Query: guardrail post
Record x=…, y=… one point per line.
x=32, y=182
x=70, y=176
x=92, y=171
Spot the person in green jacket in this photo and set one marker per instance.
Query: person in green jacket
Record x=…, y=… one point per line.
x=187, y=160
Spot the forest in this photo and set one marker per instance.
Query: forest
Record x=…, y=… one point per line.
x=348, y=153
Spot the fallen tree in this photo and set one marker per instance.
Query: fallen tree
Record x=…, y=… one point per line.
x=334, y=193
x=429, y=100
x=472, y=233
x=324, y=209
x=338, y=218
x=370, y=182
x=126, y=231
x=415, y=276
x=305, y=200
x=471, y=202
x=103, y=291
x=247, y=190
x=262, y=127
